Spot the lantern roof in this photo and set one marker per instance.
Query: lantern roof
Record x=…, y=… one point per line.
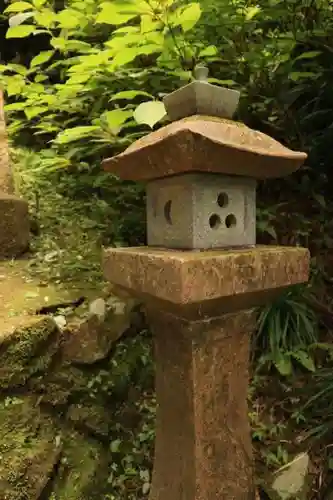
x=204, y=139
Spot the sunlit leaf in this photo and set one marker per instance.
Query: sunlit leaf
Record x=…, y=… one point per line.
x=76, y=133
x=21, y=31
x=42, y=58
x=34, y=111
x=111, y=14
x=116, y=118
x=19, y=19
x=188, y=17
x=129, y=95
x=251, y=12
x=149, y=113
x=18, y=7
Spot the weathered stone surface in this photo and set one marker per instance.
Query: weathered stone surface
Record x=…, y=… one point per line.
x=96, y=419
x=14, y=226
x=6, y=178
x=27, y=349
x=29, y=449
x=236, y=279
x=201, y=98
x=81, y=467
x=62, y=384
x=205, y=144
x=203, y=446
x=89, y=338
x=201, y=211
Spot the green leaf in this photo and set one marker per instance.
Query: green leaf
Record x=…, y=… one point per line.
x=299, y=75
x=116, y=118
x=19, y=19
x=308, y=55
x=149, y=113
x=46, y=18
x=18, y=7
x=76, y=133
x=39, y=3
x=129, y=95
x=111, y=13
x=211, y=50
x=16, y=106
x=42, y=58
x=282, y=362
x=69, y=19
x=34, y=111
x=251, y=12
x=189, y=16
x=20, y=31
x=304, y=359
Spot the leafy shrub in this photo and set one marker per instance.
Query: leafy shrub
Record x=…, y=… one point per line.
x=286, y=330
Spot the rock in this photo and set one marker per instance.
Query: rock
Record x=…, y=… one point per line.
x=64, y=382
x=89, y=339
x=95, y=419
x=60, y=321
x=14, y=226
x=29, y=449
x=27, y=349
x=290, y=482
x=82, y=465
x=98, y=308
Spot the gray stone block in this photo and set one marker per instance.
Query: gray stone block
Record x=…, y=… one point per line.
x=201, y=211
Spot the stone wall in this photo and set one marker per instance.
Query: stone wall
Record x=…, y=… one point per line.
x=69, y=388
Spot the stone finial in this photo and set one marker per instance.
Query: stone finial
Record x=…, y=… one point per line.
x=201, y=98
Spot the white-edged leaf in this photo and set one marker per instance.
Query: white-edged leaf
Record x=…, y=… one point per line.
x=19, y=19
x=149, y=113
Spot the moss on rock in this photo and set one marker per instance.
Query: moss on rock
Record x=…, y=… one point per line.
x=28, y=449
x=27, y=350
x=82, y=463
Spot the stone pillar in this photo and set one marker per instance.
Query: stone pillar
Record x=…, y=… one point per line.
x=201, y=307
x=14, y=218
x=202, y=277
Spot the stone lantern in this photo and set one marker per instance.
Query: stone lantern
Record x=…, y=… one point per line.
x=201, y=278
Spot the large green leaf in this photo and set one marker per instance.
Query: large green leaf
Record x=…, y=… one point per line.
x=116, y=118
x=111, y=13
x=188, y=17
x=18, y=7
x=21, y=31
x=129, y=95
x=149, y=113
x=76, y=133
x=41, y=58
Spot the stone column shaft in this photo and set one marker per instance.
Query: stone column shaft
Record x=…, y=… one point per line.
x=203, y=445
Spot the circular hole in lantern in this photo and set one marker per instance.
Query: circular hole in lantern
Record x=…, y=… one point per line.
x=167, y=211
x=214, y=221
x=230, y=221
x=222, y=200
